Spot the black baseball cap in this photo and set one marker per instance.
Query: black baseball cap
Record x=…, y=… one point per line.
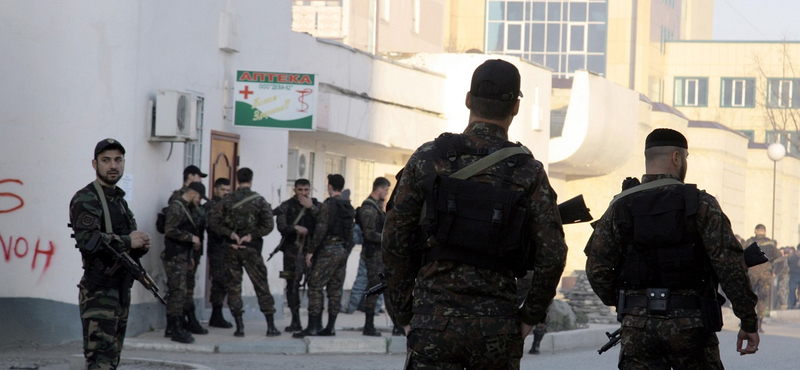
x=107, y=144
x=200, y=188
x=503, y=78
x=193, y=170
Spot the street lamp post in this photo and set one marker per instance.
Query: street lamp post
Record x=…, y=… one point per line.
x=775, y=152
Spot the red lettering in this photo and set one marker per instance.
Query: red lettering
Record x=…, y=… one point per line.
x=295, y=79
x=261, y=76
x=49, y=253
x=12, y=195
x=245, y=77
x=6, y=247
x=16, y=247
x=306, y=80
x=283, y=78
x=271, y=77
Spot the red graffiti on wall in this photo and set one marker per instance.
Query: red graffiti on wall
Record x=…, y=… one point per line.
x=12, y=195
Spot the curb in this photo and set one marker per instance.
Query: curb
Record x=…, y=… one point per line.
x=78, y=362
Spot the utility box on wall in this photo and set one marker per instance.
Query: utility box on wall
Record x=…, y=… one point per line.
x=175, y=117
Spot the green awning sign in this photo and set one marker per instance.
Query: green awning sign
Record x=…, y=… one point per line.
x=275, y=100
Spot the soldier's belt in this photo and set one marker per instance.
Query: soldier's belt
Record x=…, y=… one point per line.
x=675, y=302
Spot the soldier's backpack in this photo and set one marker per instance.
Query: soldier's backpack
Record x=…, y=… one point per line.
x=342, y=217
x=161, y=220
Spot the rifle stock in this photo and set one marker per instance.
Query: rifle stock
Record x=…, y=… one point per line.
x=574, y=211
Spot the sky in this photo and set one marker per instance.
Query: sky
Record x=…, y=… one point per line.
x=756, y=20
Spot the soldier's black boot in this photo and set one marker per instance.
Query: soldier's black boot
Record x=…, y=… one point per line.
x=217, y=320
x=239, y=326
x=295, y=325
x=313, y=328
x=168, y=329
x=179, y=334
x=272, y=331
x=329, y=330
x=192, y=325
x=398, y=331
x=537, y=340
x=369, y=326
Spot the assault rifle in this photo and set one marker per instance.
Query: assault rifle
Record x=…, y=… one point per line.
x=378, y=289
x=277, y=249
x=613, y=339
x=125, y=260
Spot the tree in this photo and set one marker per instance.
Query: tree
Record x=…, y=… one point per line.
x=781, y=92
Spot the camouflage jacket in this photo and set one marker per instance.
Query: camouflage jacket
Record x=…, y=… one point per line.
x=86, y=217
x=252, y=218
x=605, y=252
x=179, y=228
x=322, y=233
x=371, y=218
x=288, y=211
x=447, y=288
x=213, y=209
x=198, y=212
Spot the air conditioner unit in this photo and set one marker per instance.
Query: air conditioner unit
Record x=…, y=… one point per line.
x=176, y=115
x=298, y=164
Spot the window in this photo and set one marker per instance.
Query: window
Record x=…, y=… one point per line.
x=495, y=37
x=365, y=175
x=738, y=93
x=783, y=93
x=515, y=10
x=514, y=39
x=691, y=92
x=789, y=139
x=577, y=38
x=415, y=18
x=497, y=11
x=334, y=164
x=749, y=133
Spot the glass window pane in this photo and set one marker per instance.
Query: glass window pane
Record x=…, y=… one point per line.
x=538, y=11
x=597, y=12
x=678, y=100
x=563, y=69
x=576, y=38
x=497, y=10
x=514, y=39
x=691, y=92
x=527, y=38
x=553, y=37
x=596, y=63
x=577, y=12
x=537, y=37
x=553, y=11
x=552, y=62
x=786, y=91
x=727, y=94
x=515, y=10
x=494, y=39
x=795, y=93
x=774, y=89
x=750, y=93
x=597, y=38
x=527, y=11
x=537, y=58
x=738, y=93
x=702, y=92
x=576, y=62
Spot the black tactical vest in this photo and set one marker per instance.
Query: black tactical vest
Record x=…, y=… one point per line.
x=662, y=248
x=341, y=219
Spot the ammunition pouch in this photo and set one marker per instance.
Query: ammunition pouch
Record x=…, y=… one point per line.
x=712, y=313
x=660, y=301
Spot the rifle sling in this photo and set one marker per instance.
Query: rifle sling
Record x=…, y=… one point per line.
x=186, y=211
x=643, y=187
x=245, y=200
x=106, y=214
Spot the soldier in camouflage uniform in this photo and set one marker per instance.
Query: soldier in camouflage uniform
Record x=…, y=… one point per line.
x=217, y=249
x=370, y=217
x=192, y=174
x=441, y=302
x=104, y=299
x=246, y=218
x=296, y=219
x=649, y=262
x=180, y=241
x=330, y=245
x=781, y=268
x=761, y=276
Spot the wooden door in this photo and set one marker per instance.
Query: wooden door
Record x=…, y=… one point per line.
x=224, y=162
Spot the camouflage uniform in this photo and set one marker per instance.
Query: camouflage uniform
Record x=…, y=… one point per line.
x=293, y=253
x=761, y=275
x=103, y=300
x=781, y=268
x=679, y=338
x=449, y=298
x=199, y=216
x=216, y=256
x=179, y=229
x=330, y=262
x=371, y=219
x=254, y=218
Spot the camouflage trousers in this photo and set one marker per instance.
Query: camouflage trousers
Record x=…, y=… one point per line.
x=251, y=261
x=219, y=274
x=105, y=320
x=177, y=270
x=293, y=271
x=328, y=272
x=191, y=280
x=374, y=263
x=456, y=343
x=761, y=281
x=782, y=294
x=662, y=344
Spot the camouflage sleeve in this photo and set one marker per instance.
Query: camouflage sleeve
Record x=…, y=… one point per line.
x=216, y=219
x=86, y=217
x=322, y=227
x=400, y=270
x=315, y=207
x=265, y=221
x=547, y=241
x=602, y=259
x=283, y=226
x=175, y=215
x=727, y=259
x=369, y=223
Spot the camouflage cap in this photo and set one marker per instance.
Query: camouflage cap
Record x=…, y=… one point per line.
x=107, y=144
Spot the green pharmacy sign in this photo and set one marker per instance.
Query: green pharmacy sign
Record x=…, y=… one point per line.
x=275, y=100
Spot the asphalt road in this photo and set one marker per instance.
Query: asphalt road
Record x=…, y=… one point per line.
x=779, y=350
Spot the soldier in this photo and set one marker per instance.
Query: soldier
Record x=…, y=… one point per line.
x=484, y=214
x=180, y=241
x=246, y=218
x=296, y=219
x=191, y=174
x=104, y=299
x=656, y=254
x=331, y=243
x=216, y=257
x=761, y=276
x=371, y=218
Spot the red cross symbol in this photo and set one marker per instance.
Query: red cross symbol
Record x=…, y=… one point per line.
x=246, y=91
